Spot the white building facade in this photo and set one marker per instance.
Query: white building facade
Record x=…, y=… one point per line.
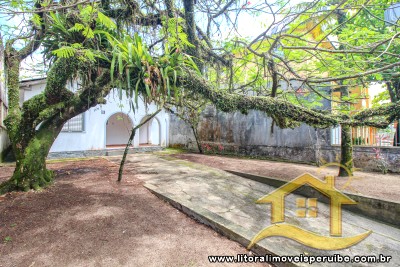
x=105, y=127
x=4, y=141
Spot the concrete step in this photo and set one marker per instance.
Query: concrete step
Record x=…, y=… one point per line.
x=226, y=203
x=102, y=152
x=90, y=153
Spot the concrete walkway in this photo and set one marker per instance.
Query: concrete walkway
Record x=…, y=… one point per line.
x=227, y=203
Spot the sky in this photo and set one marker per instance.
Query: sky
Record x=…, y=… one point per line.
x=28, y=68
x=249, y=26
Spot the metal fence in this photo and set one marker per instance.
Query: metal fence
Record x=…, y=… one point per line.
x=76, y=124
x=369, y=136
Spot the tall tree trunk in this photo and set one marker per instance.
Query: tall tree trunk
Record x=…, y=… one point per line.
x=196, y=136
x=30, y=171
x=33, y=127
x=195, y=51
x=133, y=133
x=346, y=159
x=393, y=87
x=30, y=146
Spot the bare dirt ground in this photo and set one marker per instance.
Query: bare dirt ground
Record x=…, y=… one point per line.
x=377, y=185
x=88, y=219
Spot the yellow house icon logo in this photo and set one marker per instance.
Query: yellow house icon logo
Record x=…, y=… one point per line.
x=308, y=208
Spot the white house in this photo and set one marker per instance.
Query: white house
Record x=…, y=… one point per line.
x=4, y=142
x=106, y=127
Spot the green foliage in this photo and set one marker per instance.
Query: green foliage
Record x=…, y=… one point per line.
x=381, y=98
x=77, y=27
x=91, y=35
x=17, y=3
x=45, y=3
x=361, y=30
x=83, y=35
x=105, y=21
x=358, y=141
x=176, y=37
x=36, y=20
x=305, y=99
x=134, y=69
x=65, y=52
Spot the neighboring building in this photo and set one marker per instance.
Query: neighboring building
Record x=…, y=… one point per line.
x=4, y=141
x=104, y=128
x=392, y=14
x=366, y=135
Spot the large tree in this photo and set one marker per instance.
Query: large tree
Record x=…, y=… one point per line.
x=341, y=45
x=150, y=48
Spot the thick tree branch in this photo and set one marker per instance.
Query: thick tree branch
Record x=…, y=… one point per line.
x=234, y=102
x=228, y=102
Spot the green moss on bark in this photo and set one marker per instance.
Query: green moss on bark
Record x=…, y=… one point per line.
x=30, y=171
x=346, y=159
x=52, y=110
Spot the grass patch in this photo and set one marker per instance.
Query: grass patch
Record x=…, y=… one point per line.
x=70, y=159
x=171, y=151
x=241, y=156
x=7, y=239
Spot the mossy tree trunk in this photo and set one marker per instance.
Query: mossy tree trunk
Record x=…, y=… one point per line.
x=393, y=88
x=346, y=149
x=35, y=125
x=346, y=146
x=30, y=171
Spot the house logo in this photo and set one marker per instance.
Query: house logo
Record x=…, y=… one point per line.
x=307, y=207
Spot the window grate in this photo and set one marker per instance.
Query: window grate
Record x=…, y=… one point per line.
x=74, y=125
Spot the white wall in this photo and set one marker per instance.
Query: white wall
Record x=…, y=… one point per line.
x=4, y=141
x=155, y=132
x=144, y=133
x=118, y=129
x=95, y=119
x=150, y=133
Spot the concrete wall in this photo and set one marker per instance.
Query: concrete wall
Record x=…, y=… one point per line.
x=366, y=158
x=251, y=134
x=95, y=119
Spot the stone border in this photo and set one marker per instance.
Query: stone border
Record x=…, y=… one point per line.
x=101, y=152
x=377, y=209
